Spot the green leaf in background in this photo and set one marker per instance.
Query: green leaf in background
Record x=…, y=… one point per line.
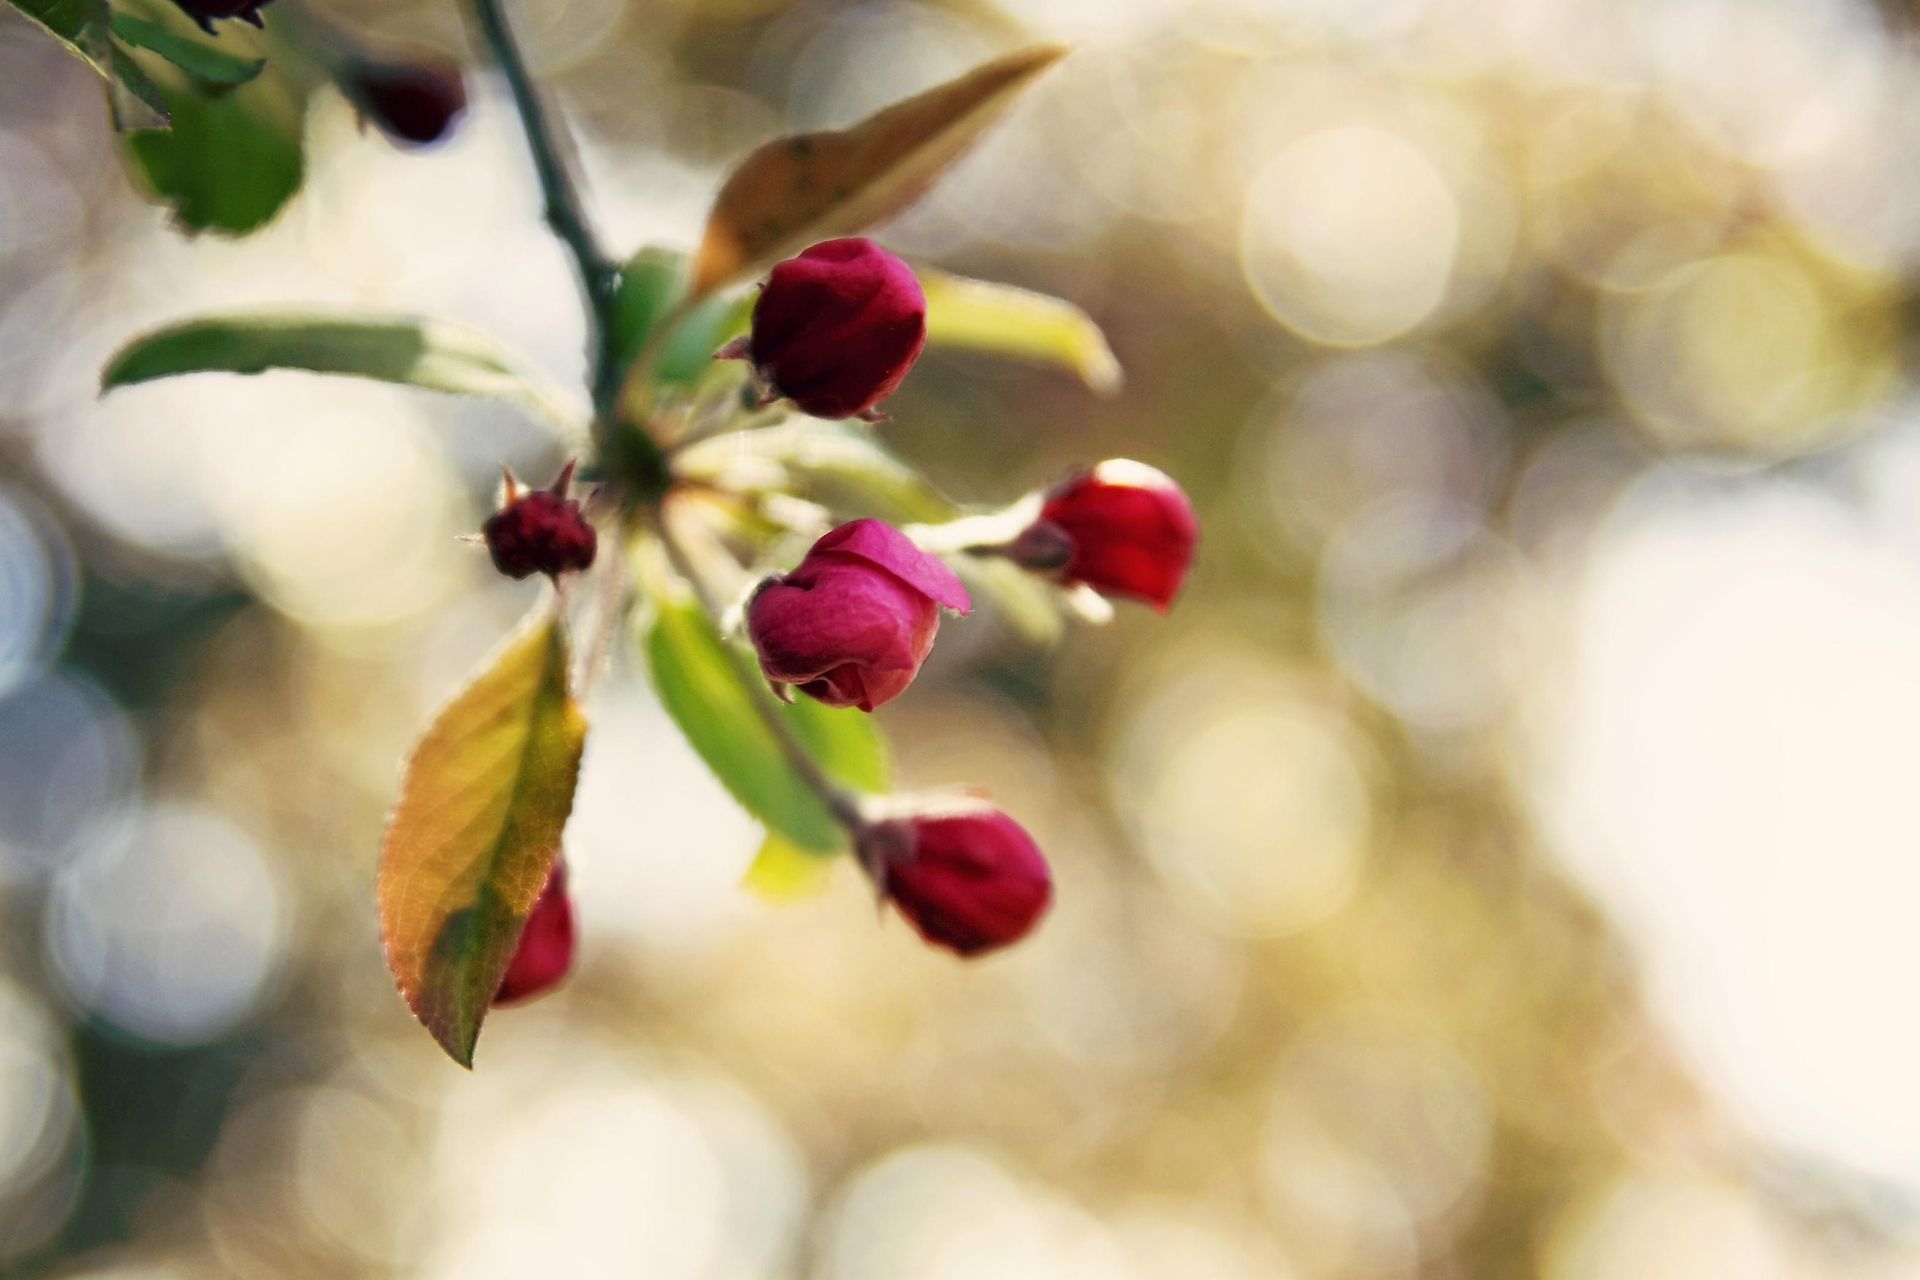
x=415, y=352
x=1008, y=321
x=652, y=284
x=82, y=28
x=703, y=690
x=230, y=161
x=839, y=465
x=212, y=67
x=784, y=872
x=477, y=828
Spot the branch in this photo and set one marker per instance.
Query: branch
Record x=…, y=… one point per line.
x=598, y=274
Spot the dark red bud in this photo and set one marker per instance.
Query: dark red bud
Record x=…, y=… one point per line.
x=540, y=532
x=837, y=328
x=971, y=880
x=854, y=621
x=545, y=952
x=205, y=11
x=414, y=102
x=1131, y=528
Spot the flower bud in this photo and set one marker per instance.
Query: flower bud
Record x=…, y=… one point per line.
x=1129, y=531
x=852, y=624
x=413, y=102
x=545, y=953
x=205, y=11
x=539, y=532
x=970, y=880
x=837, y=328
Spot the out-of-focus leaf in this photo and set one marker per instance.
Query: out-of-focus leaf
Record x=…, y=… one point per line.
x=1005, y=320
x=784, y=872
x=136, y=101
x=652, y=285
x=814, y=186
x=705, y=693
x=1030, y=605
x=420, y=353
x=487, y=793
x=841, y=467
x=83, y=29
x=230, y=161
x=212, y=67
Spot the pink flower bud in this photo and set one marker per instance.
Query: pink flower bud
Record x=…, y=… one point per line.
x=545, y=953
x=1131, y=531
x=837, y=328
x=539, y=532
x=970, y=881
x=852, y=624
x=413, y=102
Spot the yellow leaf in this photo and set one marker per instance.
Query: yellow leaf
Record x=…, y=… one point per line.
x=478, y=825
x=1018, y=322
x=815, y=186
x=784, y=872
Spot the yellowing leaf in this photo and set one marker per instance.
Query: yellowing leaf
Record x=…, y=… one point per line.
x=814, y=186
x=784, y=872
x=477, y=829
x=1007, y=321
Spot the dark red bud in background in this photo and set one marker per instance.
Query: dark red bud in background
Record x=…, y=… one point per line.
x=837, y=328
x=971, y=881
x=854, y=621
x=540, y=532
x=1131, y=528
x=205, y=12
x=545, y=953
x=415, y=102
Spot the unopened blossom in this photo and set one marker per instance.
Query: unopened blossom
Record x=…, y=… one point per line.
x=1122, y=528
x=541, y=531
x=545, y=953
x=970, y=880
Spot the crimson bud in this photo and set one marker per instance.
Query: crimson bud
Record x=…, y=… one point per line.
x=1122, y=528
x=854, y=621
x=837, y=328
x=539, y=532
x=970, y=880
x=205, y=11
x=545, y=953
x=413, y=102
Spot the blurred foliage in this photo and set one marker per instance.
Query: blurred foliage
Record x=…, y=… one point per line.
x=1541, y=373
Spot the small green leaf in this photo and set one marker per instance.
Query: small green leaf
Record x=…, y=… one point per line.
x=1007, y=321
x=421, y=353
x=651, y=286
x=230, y=161
x=705, y=693
x=137, y=103
x=784, y=872
x=476, y=831
x=210, y=66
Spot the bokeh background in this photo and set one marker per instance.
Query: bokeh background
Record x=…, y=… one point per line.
x=1502, y=863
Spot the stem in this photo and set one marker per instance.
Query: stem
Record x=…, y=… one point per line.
x=840, y=802
x=599, y=278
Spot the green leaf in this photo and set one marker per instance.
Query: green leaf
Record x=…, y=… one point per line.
x=421, y=353
x=784, y=872
x=476, y=831
x=210, y=66
x=651, y=286
x=706, y=694
x=838, y=465
x=230, y=161
x=814, y=186
x=1004, y=320
x=82, y=28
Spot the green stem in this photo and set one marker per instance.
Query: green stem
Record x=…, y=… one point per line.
x=599, y=277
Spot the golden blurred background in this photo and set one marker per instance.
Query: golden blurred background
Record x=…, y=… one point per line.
x=1502, y=862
